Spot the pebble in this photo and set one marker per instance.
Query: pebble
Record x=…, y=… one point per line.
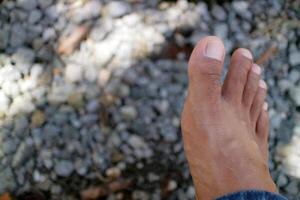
x=73, y=73
x=129, y=112
x=8, y=182
x=34, y=16
x=294, y=58
x=37, y=118
x=294, y=93
x=21, y=104
x=219, y=13
x=44, y=3
x=64, y=168
x=117, y=9
x=4, y=37
x=24, y=152
x=4, y=102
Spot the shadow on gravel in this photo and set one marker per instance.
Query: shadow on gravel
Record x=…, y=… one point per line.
x=103, y=106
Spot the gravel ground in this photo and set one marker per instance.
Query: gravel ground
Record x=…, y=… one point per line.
x=92, y=90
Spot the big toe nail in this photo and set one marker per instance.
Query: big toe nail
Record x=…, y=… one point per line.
x=206, y=65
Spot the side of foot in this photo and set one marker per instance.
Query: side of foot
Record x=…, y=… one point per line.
x=225, y=127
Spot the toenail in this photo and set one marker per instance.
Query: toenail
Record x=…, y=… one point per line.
x=246, y=53
x=265, y=106
x=256, y=69
x=262, y=84
x=214, y=49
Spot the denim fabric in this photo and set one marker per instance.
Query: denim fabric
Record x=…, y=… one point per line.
x=252, y=195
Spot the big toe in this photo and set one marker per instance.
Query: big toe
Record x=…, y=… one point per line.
x=205, y=69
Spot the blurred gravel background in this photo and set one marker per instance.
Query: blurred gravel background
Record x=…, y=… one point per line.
x=91, y=93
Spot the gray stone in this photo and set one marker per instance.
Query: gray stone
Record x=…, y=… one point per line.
x=294, y=93
x=64, y=168
x=18, y=35
x=44, y=3
x=49, y=34
x=9, y=146
x=92, y=106
x=59, y=93
x=219, y=13
x=117, y=8
x=4, y=38
x=7, y=180
x=129, y=112
x=34, y=16
x=4, y=102
x=27, y=4
x=73, y=72
x=221, y=30
x=282, y=180
x=292, y=187
x=242, y=9
x=90, y=10
x=24, y=58
x=51, y=131
x=24, y=152
x=294, y=58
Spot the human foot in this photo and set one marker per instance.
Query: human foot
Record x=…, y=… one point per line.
x=225, y=128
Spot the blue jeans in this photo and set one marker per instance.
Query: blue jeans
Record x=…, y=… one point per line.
x=252, y=195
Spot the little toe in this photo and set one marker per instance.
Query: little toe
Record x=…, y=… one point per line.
x=262, y=130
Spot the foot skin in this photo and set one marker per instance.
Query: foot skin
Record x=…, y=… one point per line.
x=225, y=128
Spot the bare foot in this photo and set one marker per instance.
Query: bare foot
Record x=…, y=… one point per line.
x=225, y=128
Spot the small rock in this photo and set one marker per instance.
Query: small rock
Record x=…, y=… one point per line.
x=92, y=105
x=4, y=102
x=34, y=16
x=218, y=12
x=24, y=152
x=27, y=4
x=64, y=168
x=240, y=6
x=292, y=188
x=129, y=112
x=51, y=131
x=49, y=34
x=37, y=118
x=44, y=3
x=76, y=99
x=172, y=185
x=140, y=195
x=116, y=9
x=7, y=180
x=294, y=93
x=282, y=180
x=21, y=104
x=9, y=146
x=294, y=58
x=73, y=73
x=90, y=10
x=113, y=172
x=221, y=30
x=4, y=38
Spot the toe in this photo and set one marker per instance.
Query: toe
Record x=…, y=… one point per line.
x=205, y=69
x=236, y=77
x=262, y=130
x=258, y=102
x=251, y=86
